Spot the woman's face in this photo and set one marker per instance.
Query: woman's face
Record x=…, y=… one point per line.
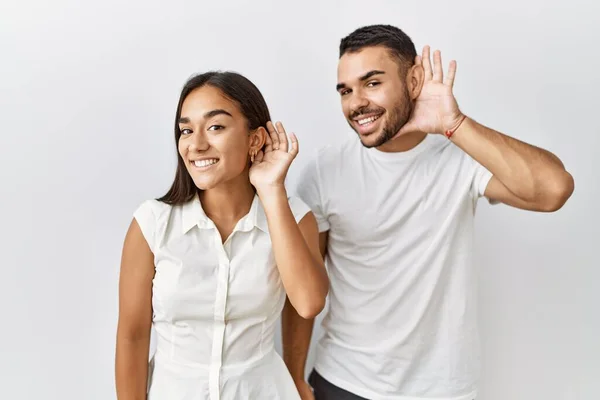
x=215, y=140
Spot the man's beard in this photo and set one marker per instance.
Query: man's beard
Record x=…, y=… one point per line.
x=396, y=119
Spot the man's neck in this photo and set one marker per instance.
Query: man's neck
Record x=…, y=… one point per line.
x=403, y=143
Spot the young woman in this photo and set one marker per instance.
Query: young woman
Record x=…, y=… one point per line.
x=209, y=265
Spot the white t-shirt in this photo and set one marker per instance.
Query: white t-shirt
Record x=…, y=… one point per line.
x=401, y=322
x=215, y=305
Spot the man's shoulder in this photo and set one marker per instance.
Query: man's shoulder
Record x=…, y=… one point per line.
x=325, y=166
x=332, y=154
x=443, y=151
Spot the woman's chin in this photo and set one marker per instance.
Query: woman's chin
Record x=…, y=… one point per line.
x=203, y=184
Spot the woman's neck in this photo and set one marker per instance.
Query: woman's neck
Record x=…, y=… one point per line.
x=229, y=201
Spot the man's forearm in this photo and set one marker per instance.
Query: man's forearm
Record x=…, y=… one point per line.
x=296, y=334
x=531, y=173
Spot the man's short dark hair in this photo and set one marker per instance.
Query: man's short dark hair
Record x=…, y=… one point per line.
x=394, y=39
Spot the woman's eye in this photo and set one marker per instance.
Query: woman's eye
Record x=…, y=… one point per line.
x=371, y=84
x=215, y=127
x=186, y=131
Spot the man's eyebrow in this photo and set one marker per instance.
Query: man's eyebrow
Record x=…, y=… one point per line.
x=363, y=78
x=370, y=74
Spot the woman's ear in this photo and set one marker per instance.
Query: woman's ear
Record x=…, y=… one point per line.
x=258, y=138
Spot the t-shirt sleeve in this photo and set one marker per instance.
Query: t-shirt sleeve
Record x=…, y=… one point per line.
x=309, y=190
x=298, y=207
x=146, y=219
x=481, y=178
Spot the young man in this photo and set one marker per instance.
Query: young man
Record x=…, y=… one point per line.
x=395, y=210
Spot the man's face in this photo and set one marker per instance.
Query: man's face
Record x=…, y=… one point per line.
x=375, y=99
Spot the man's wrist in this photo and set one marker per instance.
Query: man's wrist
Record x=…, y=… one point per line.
x=299, y=380
x=456, y=124
x=297, y=373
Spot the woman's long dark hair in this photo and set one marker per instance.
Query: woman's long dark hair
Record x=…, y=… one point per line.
x=238, y=89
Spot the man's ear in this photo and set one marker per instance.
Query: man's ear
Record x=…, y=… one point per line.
x=415, y=78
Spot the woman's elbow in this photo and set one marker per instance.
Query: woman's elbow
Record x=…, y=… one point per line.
x=314, y=303
x=129, y=332
x=311, y=309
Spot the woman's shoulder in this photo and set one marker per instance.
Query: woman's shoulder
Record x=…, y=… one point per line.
x=153, y=207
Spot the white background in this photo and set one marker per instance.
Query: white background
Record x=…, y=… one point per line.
x=88, y=92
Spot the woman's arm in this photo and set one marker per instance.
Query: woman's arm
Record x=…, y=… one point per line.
x=295, y=245
x=135, y=316
x=297, y=254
